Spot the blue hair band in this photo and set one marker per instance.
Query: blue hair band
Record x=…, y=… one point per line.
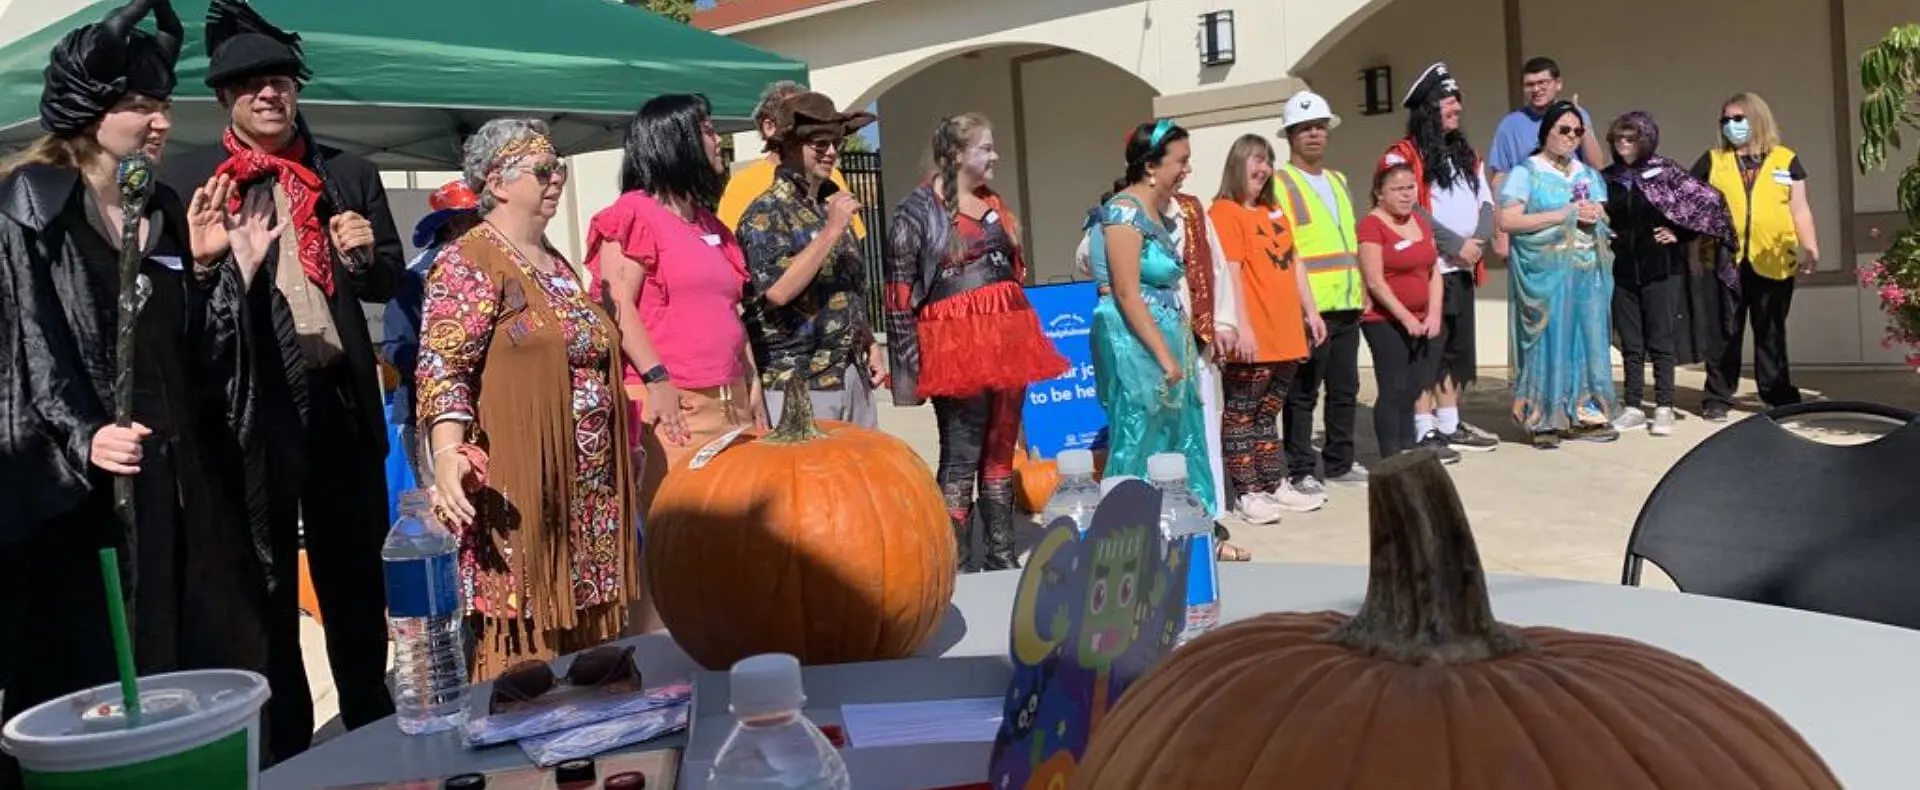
x=1160, y=131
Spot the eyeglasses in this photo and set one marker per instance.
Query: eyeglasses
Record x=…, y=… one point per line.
x=547, y=172
x=529, y=680
x=1575, y=132
x=1734, y=118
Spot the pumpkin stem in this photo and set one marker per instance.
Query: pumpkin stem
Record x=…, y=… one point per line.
x=1426, y=592
x=796, y=414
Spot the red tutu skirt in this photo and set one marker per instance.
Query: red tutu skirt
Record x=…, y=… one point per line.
x=985, y=339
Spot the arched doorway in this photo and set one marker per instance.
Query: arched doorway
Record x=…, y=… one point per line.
x=1058, y=118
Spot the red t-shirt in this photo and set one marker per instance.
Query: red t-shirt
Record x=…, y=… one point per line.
x=1408, y=265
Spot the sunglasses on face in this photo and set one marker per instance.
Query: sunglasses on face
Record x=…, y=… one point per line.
x=1575, y=132
x=1626, y=138
x=1734, y=118
x=826, y=145
x=547, y=172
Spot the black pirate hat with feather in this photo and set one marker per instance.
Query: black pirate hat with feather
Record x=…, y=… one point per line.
x=242, y=44
x=93, y=66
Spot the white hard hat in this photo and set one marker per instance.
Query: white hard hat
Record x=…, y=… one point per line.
x=1307, y=106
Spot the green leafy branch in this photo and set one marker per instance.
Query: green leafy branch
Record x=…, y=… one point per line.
x=1890, y=104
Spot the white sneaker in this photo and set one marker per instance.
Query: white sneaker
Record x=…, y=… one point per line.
x=1296, y=500
x=1662, y=422
x=1259, y=509
x=1357, y=476
x=1630, y=418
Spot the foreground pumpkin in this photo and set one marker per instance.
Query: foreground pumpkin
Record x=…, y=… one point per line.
x=1423, y=689
x=829, y=542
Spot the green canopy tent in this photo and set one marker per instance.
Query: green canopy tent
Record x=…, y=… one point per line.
x=404, y=81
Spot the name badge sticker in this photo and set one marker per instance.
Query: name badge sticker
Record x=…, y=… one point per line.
x=991, y=217
x=170, y=261
x=712, y=239
x=1276, y=214
x=1651, y=172
x=1783, y=177
x=1402, y=244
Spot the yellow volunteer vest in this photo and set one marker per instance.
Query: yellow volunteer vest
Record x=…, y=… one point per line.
x=1324, y=238
x=1763, y=218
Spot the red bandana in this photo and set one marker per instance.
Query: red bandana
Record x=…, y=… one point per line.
x=302, y=186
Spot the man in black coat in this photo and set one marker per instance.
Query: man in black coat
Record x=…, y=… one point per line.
x=320, y=438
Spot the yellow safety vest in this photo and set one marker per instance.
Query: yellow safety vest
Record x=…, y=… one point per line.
x=1762, y=216
x=1324, y=238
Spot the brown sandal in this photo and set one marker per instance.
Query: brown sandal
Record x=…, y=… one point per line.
x=1227, y=552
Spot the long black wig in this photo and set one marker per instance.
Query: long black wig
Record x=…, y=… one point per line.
x=665, y=153
x=1439, y=148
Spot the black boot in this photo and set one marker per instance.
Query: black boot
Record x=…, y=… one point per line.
x=996, y=509
x=959, y=496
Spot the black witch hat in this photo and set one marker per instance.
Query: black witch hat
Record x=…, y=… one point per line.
x=95, y=65
x=241, y=44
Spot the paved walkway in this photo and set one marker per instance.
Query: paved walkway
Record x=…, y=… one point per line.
x=1564, y=513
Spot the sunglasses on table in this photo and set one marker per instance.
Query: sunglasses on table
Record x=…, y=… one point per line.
x=527, y=681
x=1734, y=118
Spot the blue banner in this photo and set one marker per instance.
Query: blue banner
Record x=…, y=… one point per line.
x=1064, y=413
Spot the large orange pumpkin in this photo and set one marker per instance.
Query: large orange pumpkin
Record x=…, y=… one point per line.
x=1423, y=689
x=829, y=542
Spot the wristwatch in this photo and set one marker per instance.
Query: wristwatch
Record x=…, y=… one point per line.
x=654, y=375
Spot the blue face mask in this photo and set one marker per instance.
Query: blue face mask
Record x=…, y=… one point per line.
x=1737, y=132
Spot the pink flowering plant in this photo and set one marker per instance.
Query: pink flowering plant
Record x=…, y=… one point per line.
x=1890, y=77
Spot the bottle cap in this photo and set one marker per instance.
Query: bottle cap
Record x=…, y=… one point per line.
x=1166, y=467
x=1075, y=462
x=1107, y=485
x=766, y=683
x=631, y=780
x=574, y=771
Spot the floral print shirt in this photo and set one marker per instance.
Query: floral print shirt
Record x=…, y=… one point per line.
x=460, y=311
x=824, y=330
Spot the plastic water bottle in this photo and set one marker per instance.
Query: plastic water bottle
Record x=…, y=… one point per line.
x=1077, y=495
x=773, y=747
x=1183, y=519
x=424, y=612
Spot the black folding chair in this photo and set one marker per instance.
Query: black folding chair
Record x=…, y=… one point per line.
x=1758, y=513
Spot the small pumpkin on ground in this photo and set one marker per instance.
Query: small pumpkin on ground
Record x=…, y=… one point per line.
x=1033, y=481
x=830, y=542
x=1423, y=689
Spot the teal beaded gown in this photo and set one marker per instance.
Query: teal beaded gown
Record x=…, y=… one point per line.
x=1144, y=415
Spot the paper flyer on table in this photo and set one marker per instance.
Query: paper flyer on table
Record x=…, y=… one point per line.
x=914, y=723
x=509, y=727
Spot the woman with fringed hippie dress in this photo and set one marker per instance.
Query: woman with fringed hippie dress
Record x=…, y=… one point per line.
x=962, y=333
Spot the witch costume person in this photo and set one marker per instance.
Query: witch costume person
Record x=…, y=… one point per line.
x=1664, y=310
x=319, y=434
x=199, y=591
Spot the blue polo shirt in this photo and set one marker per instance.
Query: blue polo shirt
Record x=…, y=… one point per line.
x=1518, y=134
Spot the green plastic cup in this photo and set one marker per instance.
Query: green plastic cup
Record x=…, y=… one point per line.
x=201, y=730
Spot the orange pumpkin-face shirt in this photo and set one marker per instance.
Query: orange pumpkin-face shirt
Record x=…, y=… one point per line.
x=1261, y=239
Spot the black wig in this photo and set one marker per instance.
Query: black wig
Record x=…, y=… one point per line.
x=1440, y=148
x=665, y=153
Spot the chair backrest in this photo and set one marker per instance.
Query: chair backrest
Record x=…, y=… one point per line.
x=1757, y=513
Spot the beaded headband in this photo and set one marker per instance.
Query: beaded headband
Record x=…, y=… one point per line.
x=526, y=146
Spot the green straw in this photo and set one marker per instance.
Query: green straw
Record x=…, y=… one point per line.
x=122, y=644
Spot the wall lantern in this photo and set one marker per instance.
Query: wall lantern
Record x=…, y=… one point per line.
x=1216, y=38
x=1379, y=90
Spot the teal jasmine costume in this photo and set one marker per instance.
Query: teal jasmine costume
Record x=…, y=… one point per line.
x=1562, y=294
x=1144, y=415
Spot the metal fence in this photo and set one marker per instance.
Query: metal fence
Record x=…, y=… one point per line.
x=862, y=171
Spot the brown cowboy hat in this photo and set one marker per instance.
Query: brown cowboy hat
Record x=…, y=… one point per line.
x=804, y=115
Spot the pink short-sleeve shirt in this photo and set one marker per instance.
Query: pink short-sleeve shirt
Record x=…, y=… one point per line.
x=690, y=294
